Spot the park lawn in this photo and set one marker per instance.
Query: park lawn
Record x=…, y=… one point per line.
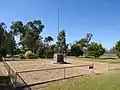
x=107, y=81
x=111, y=61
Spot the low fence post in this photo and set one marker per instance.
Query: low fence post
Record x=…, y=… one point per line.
x=64, y=73
x=8, y=70
x=93, y=68
x=108, y=64
x=15, y=79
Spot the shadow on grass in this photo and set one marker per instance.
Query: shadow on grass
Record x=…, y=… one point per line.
x=102, y=58
x=107, y=58
x=5, y=84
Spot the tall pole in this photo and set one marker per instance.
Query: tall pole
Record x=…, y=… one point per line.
x=58, y=20
x=58, y=32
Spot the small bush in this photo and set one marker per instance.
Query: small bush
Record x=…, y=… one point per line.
x=95, y=50
x=16, y=56
x=21, y=56
x=50, y=54
x=30, y=55
x=41, y=52
x=118, y=54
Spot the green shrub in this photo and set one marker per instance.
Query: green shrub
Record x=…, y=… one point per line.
x=16, y=56
x=41, y=52
x=95, y=50
x=118, y=54
x=29, y=54
x=21, y=56
x=50, y=54
x=35, y=56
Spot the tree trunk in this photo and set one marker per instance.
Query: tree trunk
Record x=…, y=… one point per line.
x=1, y=58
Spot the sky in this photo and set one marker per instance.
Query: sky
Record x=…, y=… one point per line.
x=77, y=17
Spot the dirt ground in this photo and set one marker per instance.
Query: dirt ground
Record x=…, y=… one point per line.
x=3, y=71
x=47, y=75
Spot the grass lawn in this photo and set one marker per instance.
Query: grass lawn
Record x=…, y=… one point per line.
x=99, y=60
x=111, y=61
x=107, y=81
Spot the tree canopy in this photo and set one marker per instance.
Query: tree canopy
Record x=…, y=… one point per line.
x=78, y=48
x=61, y=43
x=95, y=50
x=29, y=33
x=7, y=42
x=30, y=39
x=117, y=48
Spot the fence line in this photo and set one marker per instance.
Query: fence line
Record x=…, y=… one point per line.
x=61, y=78
x=54, y=68
x=13, y=77
x=13, y=74
x=9, y=69
x=23, y=81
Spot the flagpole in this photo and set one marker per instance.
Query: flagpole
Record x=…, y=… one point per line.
x=58, y=20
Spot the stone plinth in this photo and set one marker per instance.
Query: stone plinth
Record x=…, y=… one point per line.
x=59, y=58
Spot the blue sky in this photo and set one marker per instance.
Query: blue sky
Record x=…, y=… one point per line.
x=77, y=17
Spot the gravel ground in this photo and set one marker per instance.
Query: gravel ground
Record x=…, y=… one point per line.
x=3, y=71
x=41, y=76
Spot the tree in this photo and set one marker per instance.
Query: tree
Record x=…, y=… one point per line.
x=7, y=42
x=18, y=29
x=48, y=50
x=3, y=51
x=117, y=48
x=29, y=33
x=112, y=50
x=95, y=50
x=61, y=44
x=48, y=39
x=41, y=52
x=32, y=36
x=10, y=43
x=81, y=45
x=53, y=47
x=76, y=50
x=2, y=32
x=29, y=40
x=88, y=37
x=36, y=26
x=84, y=42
